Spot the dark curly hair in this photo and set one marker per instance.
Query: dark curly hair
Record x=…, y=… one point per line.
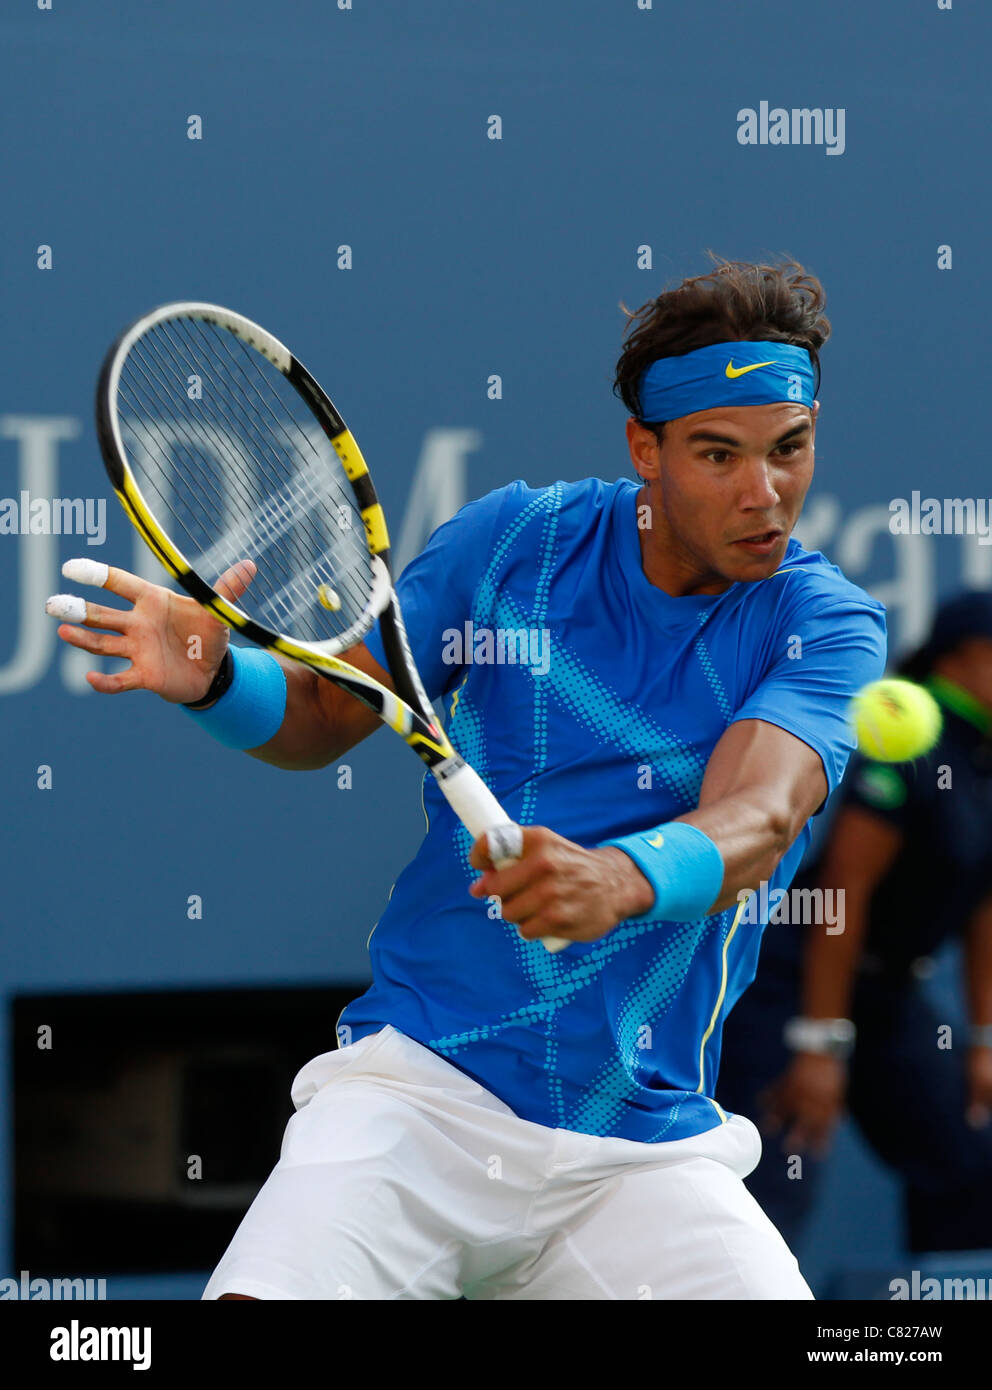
x=736, y=302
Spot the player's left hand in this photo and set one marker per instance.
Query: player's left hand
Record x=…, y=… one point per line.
x=557, y=888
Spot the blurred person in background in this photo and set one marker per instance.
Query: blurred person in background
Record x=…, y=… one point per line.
x=841, y=1018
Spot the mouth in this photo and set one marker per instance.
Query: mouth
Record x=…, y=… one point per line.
x=762, y=543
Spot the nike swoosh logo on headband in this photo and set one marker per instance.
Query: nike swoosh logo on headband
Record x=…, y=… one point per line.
x=733, y=371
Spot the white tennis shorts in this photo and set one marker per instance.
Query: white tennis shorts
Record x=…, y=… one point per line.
x=401, y=1177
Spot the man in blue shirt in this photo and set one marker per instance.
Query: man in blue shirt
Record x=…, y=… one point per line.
x=653, y=678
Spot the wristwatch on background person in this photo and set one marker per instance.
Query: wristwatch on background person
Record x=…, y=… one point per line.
x=827, y=1037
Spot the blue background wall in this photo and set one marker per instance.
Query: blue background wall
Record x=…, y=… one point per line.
x=368, y=128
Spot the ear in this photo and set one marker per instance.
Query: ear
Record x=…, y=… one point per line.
x=645, y=451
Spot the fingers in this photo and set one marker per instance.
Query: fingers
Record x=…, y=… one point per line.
x=814, y=1138
x=99, y=643
x=509, y=841
x=527, y=909
x=528, y=900
x=501, y=882
x=806, y=1129
x=782, y=1115
x=771, y=1110
x=537, y=910
x=540, y=928
x=71, y=609
x=505, y=844
x=796, y=1141
x=101, y=576
x=83, y=571
x=115, y=684
x=234, y=581
x=810, y=1131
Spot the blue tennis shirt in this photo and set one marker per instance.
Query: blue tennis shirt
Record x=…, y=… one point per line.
x=590, y=701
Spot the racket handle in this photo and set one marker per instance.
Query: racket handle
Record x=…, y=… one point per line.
x=481, y=814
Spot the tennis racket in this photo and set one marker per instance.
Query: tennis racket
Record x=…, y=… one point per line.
x=222, y=447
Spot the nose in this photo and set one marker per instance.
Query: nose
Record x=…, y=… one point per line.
x=758, y=491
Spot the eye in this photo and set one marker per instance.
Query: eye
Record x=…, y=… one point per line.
x=722, y=455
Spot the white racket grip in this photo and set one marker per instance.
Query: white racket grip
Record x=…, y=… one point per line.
x=481, y=814
x=479, y=811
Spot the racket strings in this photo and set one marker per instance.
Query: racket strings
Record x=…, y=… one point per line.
x=259, y=530
x=256, y=533
x=240, y=542
x=197, y=439
x=345, y=551
x=243, y=470
x=136, y=423
x=323, y=459
x=287, y=596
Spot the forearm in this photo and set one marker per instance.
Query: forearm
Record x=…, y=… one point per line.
x=310, y=735
x=760, y=787
x=752, y=840
x=751, y=837
x=745, y=844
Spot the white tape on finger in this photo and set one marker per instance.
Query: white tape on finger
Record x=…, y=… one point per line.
x=86, y=572
x=66, y=607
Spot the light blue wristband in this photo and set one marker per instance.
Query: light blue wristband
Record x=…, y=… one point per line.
x=683, y=866
x=251, y=710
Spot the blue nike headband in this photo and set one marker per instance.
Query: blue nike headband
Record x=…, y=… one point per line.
x=726, y=374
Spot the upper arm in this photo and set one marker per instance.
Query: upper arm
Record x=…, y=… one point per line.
x=821, y=655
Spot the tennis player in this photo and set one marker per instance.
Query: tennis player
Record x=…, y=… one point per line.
x=499, y=1122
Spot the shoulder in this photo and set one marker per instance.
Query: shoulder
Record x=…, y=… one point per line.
x=808, y=608
x=579, y=505
x=586, y=494
x=808, y=584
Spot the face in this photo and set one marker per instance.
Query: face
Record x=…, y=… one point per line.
x=725, y=490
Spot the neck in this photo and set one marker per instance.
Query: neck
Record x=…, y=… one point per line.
x=665, y=560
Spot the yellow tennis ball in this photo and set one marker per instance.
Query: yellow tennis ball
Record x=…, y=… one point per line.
x=895, y=720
